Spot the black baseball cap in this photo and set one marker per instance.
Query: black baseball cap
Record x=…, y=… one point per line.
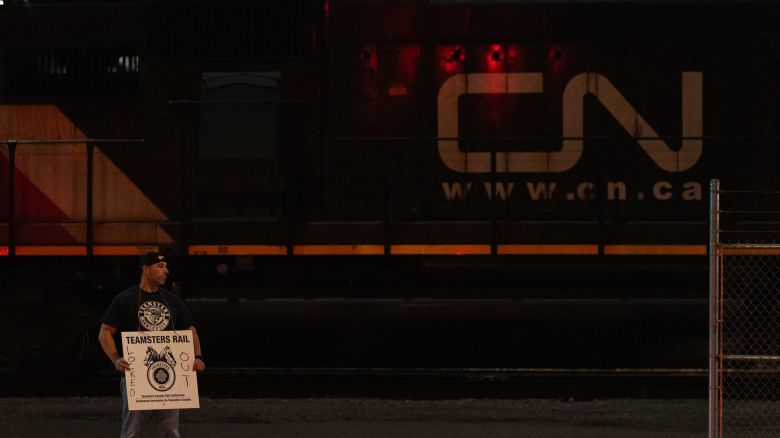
x=150, y=258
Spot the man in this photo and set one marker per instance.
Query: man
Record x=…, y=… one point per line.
x=146, y=307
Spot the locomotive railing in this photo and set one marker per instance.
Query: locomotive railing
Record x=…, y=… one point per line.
x=744, y=256
x=393, y=206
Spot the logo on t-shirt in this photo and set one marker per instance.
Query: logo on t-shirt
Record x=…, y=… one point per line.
x=154, y=315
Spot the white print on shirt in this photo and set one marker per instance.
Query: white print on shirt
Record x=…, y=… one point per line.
x=154, y=315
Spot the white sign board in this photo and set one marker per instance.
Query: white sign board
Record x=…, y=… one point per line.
x=161, y=374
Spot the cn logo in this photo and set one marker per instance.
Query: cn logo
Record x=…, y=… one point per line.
x=573, y=96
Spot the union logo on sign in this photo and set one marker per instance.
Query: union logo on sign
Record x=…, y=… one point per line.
x=160, y=373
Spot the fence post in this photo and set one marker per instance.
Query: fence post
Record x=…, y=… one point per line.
x=714, y=365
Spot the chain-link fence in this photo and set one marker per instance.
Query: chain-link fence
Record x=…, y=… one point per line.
x=745, y=314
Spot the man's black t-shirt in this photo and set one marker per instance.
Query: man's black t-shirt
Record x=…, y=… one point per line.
x=160, y=310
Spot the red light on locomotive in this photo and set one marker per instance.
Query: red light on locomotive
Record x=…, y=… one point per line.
x=555, y=55
x=512, y=53
x=455, y=55
x=495, y=58
x=368, y=57
x=450, y=58
x=496, y=54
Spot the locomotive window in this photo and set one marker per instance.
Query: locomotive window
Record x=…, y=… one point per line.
x=238, y=144
x=72, y=71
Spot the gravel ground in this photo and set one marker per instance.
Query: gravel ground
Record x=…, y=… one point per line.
x=280, y=418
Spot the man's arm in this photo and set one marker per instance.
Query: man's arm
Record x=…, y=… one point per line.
x=106, y=338
x=198, y=365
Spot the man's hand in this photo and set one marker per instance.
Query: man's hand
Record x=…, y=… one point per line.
x=121, y=365
x=198, y=365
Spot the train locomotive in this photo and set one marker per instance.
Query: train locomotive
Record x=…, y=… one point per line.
x=380, y=184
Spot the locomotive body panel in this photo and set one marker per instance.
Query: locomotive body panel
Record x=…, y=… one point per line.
x=393, y=152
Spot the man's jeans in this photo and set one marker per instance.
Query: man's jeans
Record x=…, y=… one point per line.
x=167, y=419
